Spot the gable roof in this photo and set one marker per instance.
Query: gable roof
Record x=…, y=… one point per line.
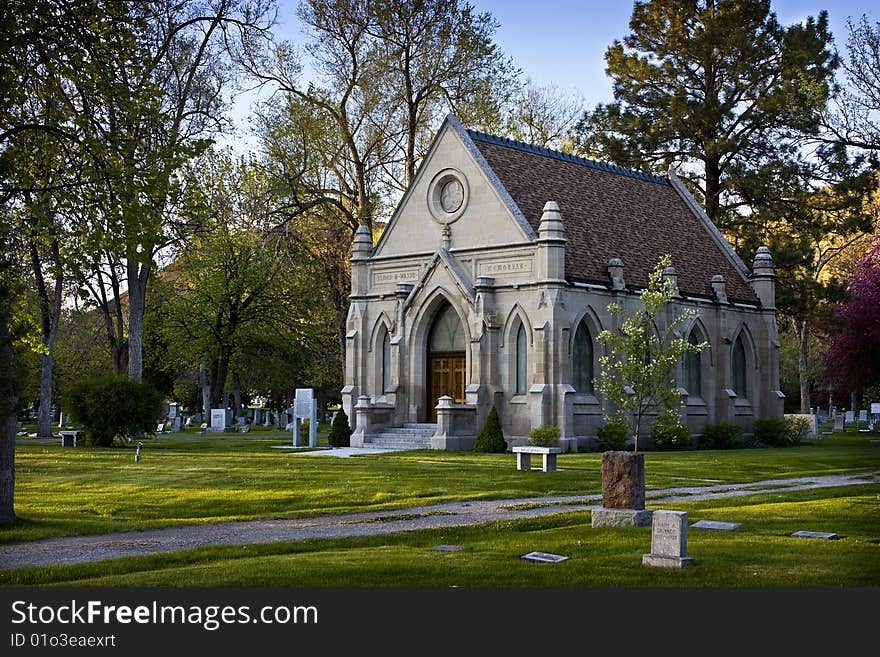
x=609, y=211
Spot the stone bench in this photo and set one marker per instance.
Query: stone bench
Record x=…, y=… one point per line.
x=524, y=457
x=69, y=437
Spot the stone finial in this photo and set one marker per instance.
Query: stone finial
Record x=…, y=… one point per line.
x=362, y=246
x=615, y=271
x=671, y=275
x=763, y=278
x=763, y=261
x=719, y=288
x=551, y=225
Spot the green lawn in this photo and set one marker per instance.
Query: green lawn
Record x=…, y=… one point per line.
x=90, y=490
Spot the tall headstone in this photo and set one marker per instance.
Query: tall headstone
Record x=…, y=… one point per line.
x=623, y=491
x=218, y=420
x=668, y=540
x=172, y=410
x=305, y=407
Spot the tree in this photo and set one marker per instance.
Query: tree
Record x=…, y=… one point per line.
x=543, y=115
x=437, y=56
x=853, y=357
x=340, y=431
x=491, y=436
x=807, y=230
x=854, y=124
x=640, y=357
x=157, y=97
x=715, y=87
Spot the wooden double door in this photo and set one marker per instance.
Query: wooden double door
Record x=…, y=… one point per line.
x=446, y=375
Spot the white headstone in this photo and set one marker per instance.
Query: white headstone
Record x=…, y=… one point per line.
x=850, y=417
x=863, y=415
x=218, y=419
x=172, y=410
x=302, y=407
x=668, y=540
x=875, y=409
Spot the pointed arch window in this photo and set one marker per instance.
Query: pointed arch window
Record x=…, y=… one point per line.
x=521, y=369
x=386, y=360
x=693, y=368
x=740, y=380
x=582, y=360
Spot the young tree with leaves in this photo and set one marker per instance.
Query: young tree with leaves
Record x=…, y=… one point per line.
x=640, y=356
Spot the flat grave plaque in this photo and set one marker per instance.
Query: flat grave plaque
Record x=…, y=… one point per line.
x=446, y=548
x=717, y=525
x=829, y=536
x=543, y=557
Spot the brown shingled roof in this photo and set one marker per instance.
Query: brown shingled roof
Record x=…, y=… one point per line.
x=611, y=212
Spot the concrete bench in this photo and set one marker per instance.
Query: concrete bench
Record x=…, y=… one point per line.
x=69, y=437
x=524, y=457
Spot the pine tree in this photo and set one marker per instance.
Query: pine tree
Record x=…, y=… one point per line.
x=491, y=436
x=340, y=431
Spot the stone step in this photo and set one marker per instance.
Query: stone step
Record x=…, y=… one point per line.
x=398, y=441
x=403, y=431
x=420, y=425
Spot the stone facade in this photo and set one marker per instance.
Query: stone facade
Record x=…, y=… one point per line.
x=491, y=283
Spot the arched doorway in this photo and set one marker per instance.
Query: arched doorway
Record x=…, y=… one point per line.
x=446, y=359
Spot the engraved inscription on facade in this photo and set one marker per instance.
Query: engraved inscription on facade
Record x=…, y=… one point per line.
x=395, y=276
x=496, y=267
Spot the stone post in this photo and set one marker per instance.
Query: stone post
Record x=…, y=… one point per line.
x=361, y=433
x=444, y=423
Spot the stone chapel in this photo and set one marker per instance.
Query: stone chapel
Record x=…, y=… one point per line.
x=491, y=281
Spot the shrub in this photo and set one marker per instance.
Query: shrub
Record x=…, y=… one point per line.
x=544, y=436
x=780, y=431
x=670, y=436
x=340, y=430
x=613, y=434
x=796, y=430
x=491, y=437
x=769, y=431
x=720, y=435
x=110, y=407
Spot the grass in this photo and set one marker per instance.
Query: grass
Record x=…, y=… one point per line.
x=184, y=480
x=90, y=490
x=761, y=553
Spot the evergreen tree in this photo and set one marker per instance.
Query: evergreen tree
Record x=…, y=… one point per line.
x=714, y=87
x=491, y=436
x=340, y=431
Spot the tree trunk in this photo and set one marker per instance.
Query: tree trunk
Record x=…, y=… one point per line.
x=8, y=421
x=44, y=418
x=218, y=382
x=205, y=382
x=236, y=395
x=803, y=333
x=138, y=274
x=50, y=310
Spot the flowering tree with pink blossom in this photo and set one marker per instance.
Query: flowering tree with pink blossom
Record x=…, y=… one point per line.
x=853, y=357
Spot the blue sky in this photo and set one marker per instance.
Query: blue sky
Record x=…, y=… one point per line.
x=563, y=42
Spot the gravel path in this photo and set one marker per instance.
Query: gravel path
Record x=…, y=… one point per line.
x=83, y=549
